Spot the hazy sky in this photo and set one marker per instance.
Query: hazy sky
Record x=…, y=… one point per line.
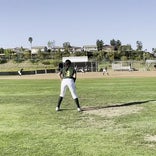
x=80, y=22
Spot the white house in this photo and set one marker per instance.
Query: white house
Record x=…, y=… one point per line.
x=36, y=49
x=90, y=48
x=76, y=49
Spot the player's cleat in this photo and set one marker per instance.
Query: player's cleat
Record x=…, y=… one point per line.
x=57, y=109
x=79, y=109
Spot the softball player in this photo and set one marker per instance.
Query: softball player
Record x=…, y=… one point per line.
x=105, y=71
x=20, y=72
x=68, y=77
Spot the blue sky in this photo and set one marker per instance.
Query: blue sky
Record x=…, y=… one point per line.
x=80, y=22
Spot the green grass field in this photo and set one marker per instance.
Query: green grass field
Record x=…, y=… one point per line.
x=29, y=125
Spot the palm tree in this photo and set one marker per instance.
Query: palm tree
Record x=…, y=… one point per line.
x=30, y=40
x=154, y=51
x=50, y=44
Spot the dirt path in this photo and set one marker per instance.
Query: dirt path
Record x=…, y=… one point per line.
x=113, y=74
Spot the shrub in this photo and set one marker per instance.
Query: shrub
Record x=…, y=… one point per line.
x=19, y=60
x=34, y=60
x=3, y=60
x=46, y=62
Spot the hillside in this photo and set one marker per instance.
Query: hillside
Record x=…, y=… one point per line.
x=26, y=65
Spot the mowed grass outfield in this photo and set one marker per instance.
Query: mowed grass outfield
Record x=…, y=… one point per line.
x=119, y=118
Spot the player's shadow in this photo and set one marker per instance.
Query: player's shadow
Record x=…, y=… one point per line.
x=117, y=105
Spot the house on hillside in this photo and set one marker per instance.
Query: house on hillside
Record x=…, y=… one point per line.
x=72, y=49
x=108, y=48
x=36, y=49
x=90, y=48
x=76, y=49
x=93, y=48
x=58, y=48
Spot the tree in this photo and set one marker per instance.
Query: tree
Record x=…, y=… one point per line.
x=50, y=44
x=125, y=50
x=139, y=50
x=8, y=53
x=30, y=39
x=1, y=51
x=118, y=44
x=112, y=42
x=115, y=44
x=110, y=56
x=99, y=44
x=154, y=51
x=139, y=45
x=66, y=46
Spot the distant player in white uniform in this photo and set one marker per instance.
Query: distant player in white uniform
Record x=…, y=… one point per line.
x=67, y=76
x=105, y=71
x=20, y=72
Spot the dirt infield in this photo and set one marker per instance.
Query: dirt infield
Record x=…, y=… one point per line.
x=113, y=74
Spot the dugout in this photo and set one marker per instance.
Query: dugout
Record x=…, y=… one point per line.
x=149, y=64
x=126, y=65
x=82, y=63
x=122, y=66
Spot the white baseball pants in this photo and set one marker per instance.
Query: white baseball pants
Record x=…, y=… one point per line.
x=68, y=82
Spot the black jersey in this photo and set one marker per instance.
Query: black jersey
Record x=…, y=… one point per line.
x=68, y=72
